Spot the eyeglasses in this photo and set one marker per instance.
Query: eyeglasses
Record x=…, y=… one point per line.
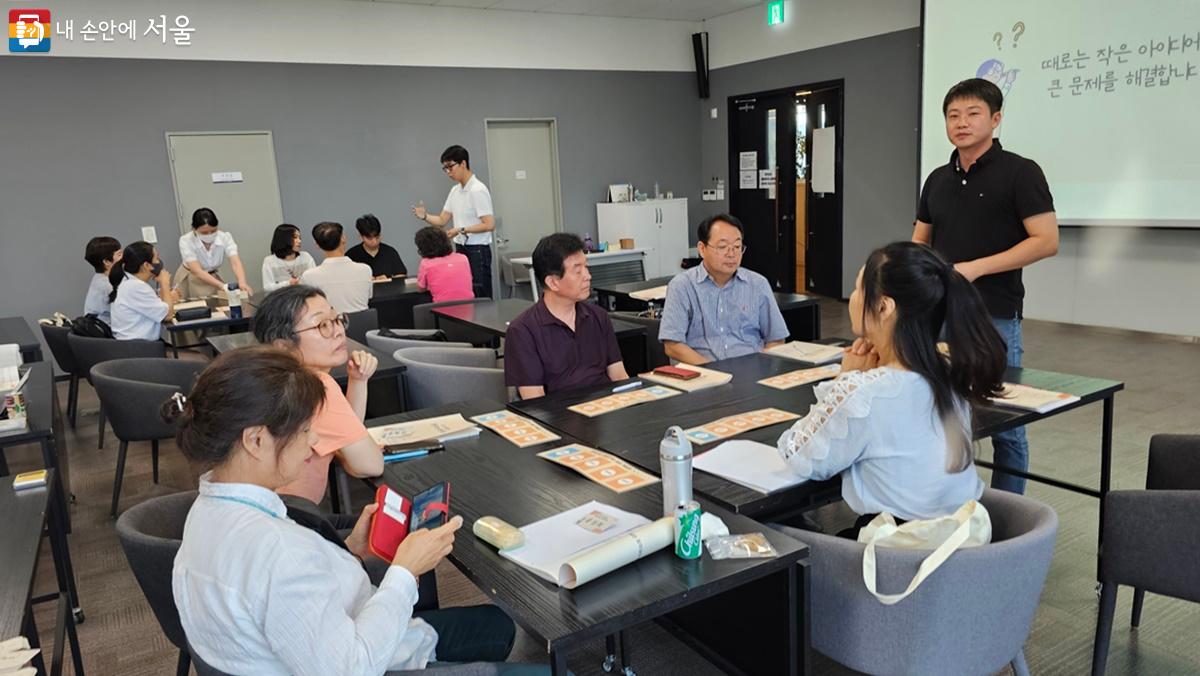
x=326, y=327
x=723, y=249
x=447, y=167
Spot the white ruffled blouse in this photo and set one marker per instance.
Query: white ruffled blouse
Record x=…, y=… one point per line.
x=881, y=431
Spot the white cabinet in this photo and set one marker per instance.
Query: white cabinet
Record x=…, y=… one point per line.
x=659, y=226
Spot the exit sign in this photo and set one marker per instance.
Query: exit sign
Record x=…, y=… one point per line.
x=775, y=12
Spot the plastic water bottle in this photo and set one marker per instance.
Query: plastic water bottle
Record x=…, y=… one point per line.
x=235, y=301
x=675, y=460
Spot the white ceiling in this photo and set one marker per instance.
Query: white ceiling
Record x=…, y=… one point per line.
x=671, y=10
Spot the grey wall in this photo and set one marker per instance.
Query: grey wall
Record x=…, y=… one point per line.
x=86, y=155
x=880, y=117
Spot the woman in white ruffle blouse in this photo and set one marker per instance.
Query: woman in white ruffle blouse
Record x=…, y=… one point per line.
x=896, y=423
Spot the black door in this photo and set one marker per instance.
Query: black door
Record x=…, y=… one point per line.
x=823, y=253
x=762, y=136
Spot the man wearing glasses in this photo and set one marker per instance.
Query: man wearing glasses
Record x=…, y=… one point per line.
x=469, y=206
x=718, y=310
x=299, y=318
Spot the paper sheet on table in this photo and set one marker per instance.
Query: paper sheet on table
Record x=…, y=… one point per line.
x=812, y=353
x=708, y=378
x=442, y=428
x=191, y=304
x=10, y=360
x=749, y=463
x=653, y=293
x=1032, y=399
x=556, y=545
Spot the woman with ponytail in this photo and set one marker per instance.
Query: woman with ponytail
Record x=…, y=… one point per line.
x=896, y=423
x=137, y=310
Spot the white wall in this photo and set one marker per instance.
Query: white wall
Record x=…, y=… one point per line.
x=381, y=33
x=744, y=36
x=1130, y=278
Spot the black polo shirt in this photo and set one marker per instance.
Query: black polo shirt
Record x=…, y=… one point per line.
x=539, y=349
x=980, y=212
x=385, y=263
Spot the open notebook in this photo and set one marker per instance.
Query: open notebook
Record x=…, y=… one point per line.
x=811, y=353
x=1029, y=398
x=749, y=463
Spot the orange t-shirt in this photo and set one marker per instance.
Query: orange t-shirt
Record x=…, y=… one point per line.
x=336, y=426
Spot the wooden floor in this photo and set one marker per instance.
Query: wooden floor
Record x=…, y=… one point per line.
x=121, y=636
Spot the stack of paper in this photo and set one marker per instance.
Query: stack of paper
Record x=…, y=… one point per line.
x=443, y=428
x=10, y=360
x=708, y=378
x=1032, y=399
x=749, y=463
x=581, y=544
x=15, y=655
x=812, y=353
x=654, y=293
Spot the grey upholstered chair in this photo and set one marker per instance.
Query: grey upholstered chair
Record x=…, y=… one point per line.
x=56, y=339
x=132, y=392
x=150, y=534
x=992, y=591
x=656, y=354
x=423, y=319
x=361, y=322
x=513, y=275
x=434, y=375
x=91, y=351
x=388, y=345
x=1151, y=536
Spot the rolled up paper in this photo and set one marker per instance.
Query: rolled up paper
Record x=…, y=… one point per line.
x=619, y=551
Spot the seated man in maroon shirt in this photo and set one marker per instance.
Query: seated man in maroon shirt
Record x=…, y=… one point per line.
x=563, y=341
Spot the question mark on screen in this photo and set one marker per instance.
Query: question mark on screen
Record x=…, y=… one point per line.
x=1018, y=31
x=997, y=38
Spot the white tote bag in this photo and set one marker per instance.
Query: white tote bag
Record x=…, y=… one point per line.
x=970, y=526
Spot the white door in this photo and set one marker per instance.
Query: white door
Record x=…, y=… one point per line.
x=523, y=173
x=232, y=173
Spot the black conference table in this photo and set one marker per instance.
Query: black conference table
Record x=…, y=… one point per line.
x=27, y=514
x=394, y=300
x=490, y=476
x=494, y=317
x=16, y=330
x=44, y=428
x=224, y=322
x=801, y=312
x=634, y=433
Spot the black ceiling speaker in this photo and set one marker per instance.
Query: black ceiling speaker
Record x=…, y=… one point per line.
x=700, y=50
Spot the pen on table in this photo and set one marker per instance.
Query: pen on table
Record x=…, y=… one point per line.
x=627, y=386
x=405, y=455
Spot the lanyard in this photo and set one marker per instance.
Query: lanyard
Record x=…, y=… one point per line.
x=230, y=498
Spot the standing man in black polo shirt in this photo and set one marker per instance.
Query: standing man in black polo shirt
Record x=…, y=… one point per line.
x=990, y=213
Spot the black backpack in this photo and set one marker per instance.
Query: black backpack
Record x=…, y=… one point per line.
x=90, y=326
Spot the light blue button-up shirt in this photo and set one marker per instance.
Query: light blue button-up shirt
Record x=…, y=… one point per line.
x=721, y=322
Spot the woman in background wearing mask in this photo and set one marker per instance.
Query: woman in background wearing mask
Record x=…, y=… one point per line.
x=203, y=251
x=137, y=310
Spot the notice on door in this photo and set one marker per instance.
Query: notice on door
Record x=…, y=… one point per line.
x=766, y=178
x=227, y=177
x=822, y=160
x=748, y=160
x=748, y=179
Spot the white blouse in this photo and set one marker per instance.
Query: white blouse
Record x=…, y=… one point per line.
x=880, y=430
x=259, y=594
x=278, y=273
x=137, y=312
x=211, y=258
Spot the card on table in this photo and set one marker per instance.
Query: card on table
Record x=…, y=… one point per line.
x=736, y=424
x=614, y=402
x=603, y=468
x=520, y=431
x=786, y=381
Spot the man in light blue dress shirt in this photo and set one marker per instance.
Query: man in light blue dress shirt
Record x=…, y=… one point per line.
x=718, y=310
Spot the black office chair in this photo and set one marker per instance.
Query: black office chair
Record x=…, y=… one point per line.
x=1151, y=536
x=423, y=318
x=150, y=534
x=56, y=339
x=361, y=322
x=656, y=354
x=132, y=392
x=91, y=351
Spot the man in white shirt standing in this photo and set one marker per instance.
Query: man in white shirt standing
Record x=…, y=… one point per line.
x=347, y=285
x=469, y=205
